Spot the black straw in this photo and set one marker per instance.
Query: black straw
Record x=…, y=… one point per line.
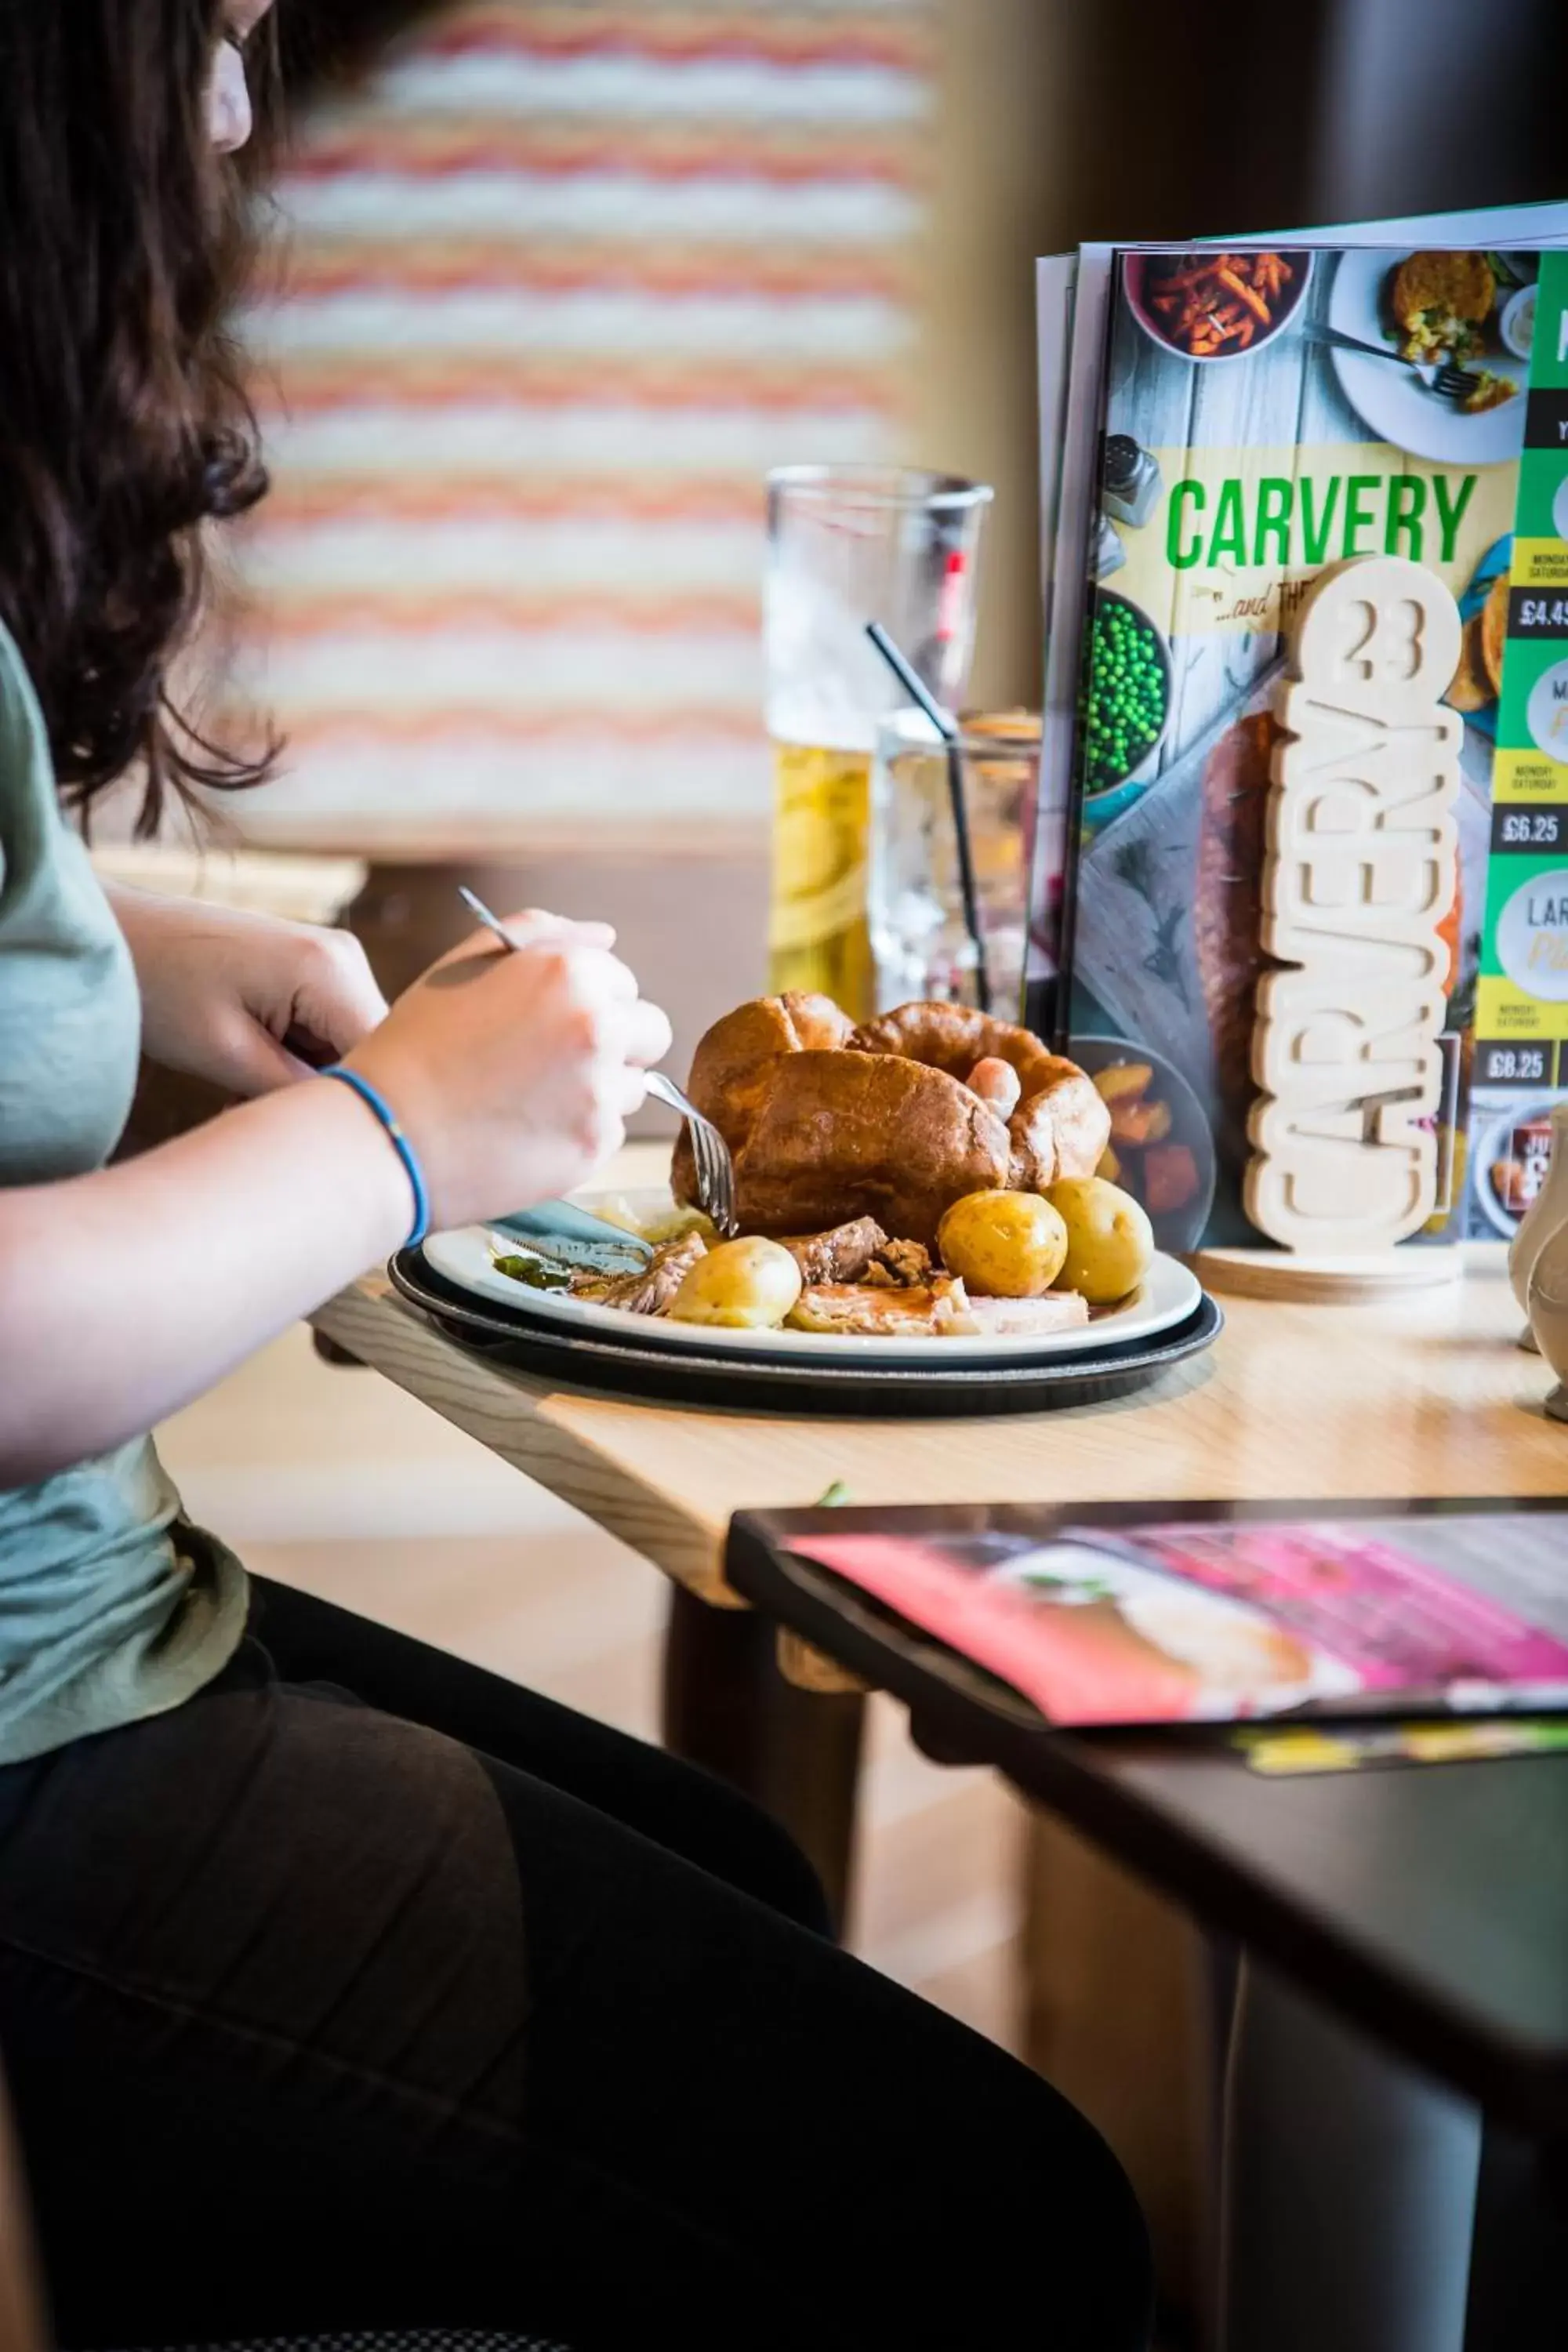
x=946, y=726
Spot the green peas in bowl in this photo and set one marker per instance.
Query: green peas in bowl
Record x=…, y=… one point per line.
x=1126, y=700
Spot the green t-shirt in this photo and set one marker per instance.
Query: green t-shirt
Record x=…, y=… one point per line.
x=110, y=1607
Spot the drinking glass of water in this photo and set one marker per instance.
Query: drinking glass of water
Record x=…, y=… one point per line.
x=919, y=944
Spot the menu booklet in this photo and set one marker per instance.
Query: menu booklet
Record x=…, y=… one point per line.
x=1219, y=1612
x=1236, y=422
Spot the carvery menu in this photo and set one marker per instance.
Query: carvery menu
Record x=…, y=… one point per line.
x=1107, y=1614
x=1241, y=420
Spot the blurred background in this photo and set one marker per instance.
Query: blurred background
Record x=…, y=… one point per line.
x=551, y=284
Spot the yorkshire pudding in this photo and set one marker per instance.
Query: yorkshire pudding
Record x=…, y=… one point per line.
x=827, y=1122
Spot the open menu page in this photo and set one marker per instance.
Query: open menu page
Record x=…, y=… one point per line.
x=1106, y=1614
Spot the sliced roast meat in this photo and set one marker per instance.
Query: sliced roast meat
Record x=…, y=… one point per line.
x=651, y=1289
x=840, y=1254
x=1006, y=1318
x=858, y=1310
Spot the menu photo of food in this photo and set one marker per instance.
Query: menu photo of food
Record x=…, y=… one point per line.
x=1431, y=347
x=1515, y=1154
x=1166, y=1614
x=1483, y=608
x=1211, y=305
x=1264, y=419
x=1160, y=1148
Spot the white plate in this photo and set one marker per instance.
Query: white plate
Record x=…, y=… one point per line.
x=1395, y=404
x=1166, y=1296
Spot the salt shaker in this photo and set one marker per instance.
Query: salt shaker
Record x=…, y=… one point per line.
x=1130, y=480
x=1546, y=1215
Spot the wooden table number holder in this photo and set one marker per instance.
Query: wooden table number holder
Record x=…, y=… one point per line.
x=1359, y=878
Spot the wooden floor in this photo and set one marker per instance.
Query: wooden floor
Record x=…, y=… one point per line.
x=335, y=1481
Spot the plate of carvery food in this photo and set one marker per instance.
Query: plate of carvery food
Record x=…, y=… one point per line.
x=918, y=1190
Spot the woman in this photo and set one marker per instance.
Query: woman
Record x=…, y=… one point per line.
x=341, y=1985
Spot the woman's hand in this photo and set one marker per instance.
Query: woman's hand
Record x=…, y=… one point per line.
x=226, y=995
x=513, y=1074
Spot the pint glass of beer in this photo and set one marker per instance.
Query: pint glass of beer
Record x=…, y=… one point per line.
x=848, y=545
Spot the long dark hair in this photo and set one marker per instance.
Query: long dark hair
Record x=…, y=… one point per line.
x=124, y=425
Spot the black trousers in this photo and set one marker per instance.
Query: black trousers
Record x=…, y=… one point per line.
x=368, y=1990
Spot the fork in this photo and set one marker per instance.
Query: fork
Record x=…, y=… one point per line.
x=715, y=1168
x=1444, y=378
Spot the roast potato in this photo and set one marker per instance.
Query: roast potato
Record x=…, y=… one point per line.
x=1110, y=1241
x=750, y=1285
x=1003, y=1245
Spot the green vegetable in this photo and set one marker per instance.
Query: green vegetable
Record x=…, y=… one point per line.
x=535, y=1271
x=837, y=1493
x=1125, y=695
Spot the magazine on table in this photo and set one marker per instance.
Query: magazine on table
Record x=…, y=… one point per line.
x=1237, y=419
x=1206, y=1613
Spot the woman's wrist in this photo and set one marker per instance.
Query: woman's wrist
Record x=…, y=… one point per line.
x=372, y=1174
x=386, y=1117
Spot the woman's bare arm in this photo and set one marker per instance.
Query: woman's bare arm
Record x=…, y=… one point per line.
x=124, y=1293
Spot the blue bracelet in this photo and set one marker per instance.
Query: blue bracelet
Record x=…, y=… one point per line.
x=375, y=1101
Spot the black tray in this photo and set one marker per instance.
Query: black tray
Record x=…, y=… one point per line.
x=772, y=1384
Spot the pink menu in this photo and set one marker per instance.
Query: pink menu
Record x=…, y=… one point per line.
x=1191, y=1620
